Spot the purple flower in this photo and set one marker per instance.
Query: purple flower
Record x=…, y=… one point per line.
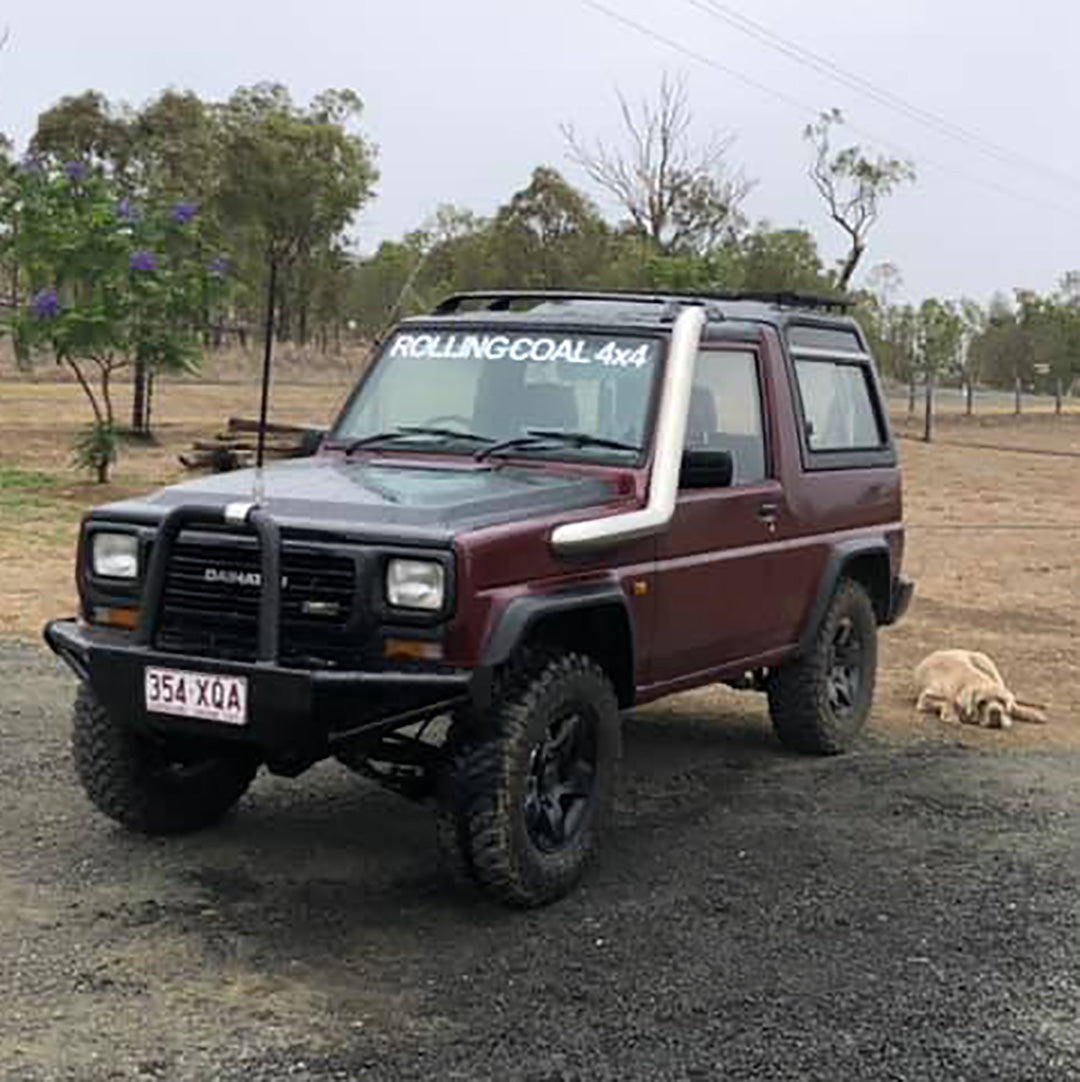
x=31, y=166
x=143, y=260
x=125, y=209
x=219, y=267
x=184, y=212
x=45, y=304
x=76, y=170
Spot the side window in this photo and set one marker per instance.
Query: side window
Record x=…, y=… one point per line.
x=837, y=406
x=725, y=411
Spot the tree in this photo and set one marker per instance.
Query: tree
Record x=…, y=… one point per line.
x=902, y=328
x=974, y=319
x=549, y=235
x=1002, y=351
x=940, y=333
x=780, y=260
x=291, y=181
x=1066, y=366
x=874, y=307
x=176, y=147
x=109, y=284
x=682, y=196
x=852, y=186
x=85, y=127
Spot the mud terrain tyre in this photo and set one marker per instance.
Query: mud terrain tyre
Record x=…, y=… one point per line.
x=532, y=786
x=150, y=787
x=819, y=702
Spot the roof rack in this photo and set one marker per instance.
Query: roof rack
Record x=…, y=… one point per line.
x=503, y=300
x=791, y=299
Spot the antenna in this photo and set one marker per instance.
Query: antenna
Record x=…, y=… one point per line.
x=268, y=347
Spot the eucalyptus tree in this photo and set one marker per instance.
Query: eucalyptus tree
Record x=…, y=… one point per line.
x=852, y=184
x=941, y=331
x=292, y=179
x=974, y=318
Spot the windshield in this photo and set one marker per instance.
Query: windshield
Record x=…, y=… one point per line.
x=501, y=387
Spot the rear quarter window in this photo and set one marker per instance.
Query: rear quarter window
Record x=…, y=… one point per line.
x=838, y=406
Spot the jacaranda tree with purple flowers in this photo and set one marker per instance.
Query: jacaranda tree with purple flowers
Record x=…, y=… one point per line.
x=111, y=282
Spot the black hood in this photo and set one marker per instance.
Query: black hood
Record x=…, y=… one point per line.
x=388, y=497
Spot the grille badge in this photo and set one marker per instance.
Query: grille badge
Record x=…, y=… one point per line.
x=231, y=577
x=321, y=608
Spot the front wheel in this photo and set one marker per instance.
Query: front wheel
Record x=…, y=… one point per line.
x=532, y=783
x=151, y=786
x=820, y=701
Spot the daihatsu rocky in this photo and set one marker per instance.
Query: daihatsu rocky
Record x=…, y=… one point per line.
x=534, y=511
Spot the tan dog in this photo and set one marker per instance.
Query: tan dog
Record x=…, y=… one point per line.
x=965, y=686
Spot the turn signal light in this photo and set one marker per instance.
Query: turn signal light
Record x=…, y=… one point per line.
x=128, y=619
x=412, y=650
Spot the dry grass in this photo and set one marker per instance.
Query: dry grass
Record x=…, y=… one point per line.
x=41, y=499
x=992, y=542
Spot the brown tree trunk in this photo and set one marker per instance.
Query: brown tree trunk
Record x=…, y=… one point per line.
x=149, y=410
x=1058, y=390
x=302, y=323
x=928, y=429
x=1016, y=391
x=970, y=408
x=852, y=261
x=139, y=420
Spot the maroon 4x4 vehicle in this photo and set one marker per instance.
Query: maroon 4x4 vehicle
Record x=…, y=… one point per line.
x=534, y=511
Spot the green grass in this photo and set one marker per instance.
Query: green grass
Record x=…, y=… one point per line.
x=14, y=478
x=31, y=494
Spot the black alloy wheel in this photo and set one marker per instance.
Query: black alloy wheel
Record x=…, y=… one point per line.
x=820, y=700
x=559, y=787
x=529, y=784
x=844, y=669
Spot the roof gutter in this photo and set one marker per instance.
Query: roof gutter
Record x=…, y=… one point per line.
x=598, y=533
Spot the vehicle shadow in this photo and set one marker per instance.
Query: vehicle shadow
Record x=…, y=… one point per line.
x=329, y=873
x=332, y=858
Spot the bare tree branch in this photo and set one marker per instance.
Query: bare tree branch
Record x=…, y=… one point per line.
x=680, y=195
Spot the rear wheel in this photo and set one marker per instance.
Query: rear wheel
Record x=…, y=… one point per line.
x=532, y=785
x=154, y=786
x=820, y=701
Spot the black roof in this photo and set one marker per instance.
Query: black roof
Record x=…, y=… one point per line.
x=625, y=307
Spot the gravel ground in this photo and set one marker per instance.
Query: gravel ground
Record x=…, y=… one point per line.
x=908, y=912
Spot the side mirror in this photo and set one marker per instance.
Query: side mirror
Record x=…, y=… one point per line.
x=712, y=468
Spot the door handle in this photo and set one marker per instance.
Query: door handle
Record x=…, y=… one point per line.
x=768, y=512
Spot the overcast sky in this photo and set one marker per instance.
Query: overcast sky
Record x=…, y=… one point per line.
x=464, y=99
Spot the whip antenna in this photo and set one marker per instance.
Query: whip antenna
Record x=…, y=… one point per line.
x=268, y=346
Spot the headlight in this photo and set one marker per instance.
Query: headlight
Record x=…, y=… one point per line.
x=115, y=555
x=415, y=584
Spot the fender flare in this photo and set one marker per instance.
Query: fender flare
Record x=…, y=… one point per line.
x=523, y=613
x=843, y=554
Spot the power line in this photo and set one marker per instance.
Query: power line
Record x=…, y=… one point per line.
x=801, y=55
x=810, y=111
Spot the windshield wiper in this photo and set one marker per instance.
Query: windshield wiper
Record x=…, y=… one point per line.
x=403, y=431
x=552, y=435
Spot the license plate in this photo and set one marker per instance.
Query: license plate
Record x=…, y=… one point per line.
x=197, y=695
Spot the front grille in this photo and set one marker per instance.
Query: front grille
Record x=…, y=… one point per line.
x=211, y=602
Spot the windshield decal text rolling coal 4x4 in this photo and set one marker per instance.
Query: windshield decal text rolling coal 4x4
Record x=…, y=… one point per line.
x=611, y=353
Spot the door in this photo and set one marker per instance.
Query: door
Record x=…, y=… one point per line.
x=713, y=585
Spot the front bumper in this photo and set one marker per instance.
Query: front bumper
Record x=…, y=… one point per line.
x=294, y=715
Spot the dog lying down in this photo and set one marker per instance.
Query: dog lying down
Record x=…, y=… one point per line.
x=965, y=686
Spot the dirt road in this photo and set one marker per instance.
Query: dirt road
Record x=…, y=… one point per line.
x=910, y=912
